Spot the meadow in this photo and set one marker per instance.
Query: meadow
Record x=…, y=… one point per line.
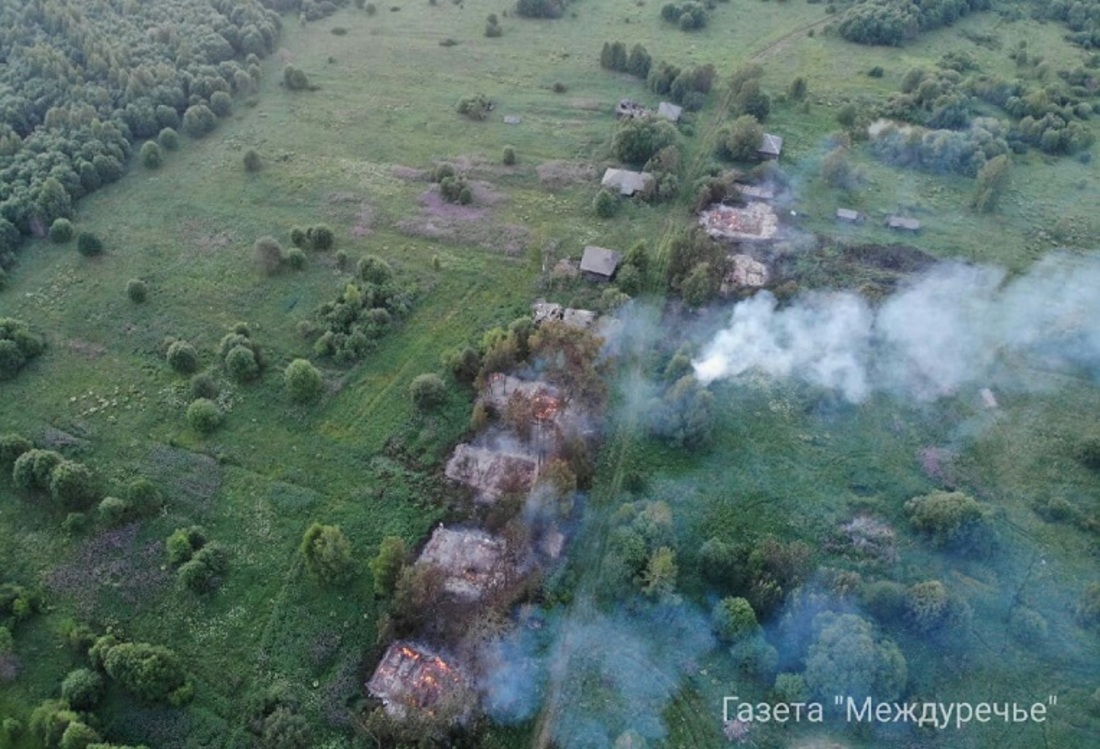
x=353, y=153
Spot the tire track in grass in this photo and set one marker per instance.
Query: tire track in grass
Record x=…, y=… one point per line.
x=351, y=417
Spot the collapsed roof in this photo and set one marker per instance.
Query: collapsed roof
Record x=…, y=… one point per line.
x=490, y=472
x=472, y=560
x=413, y=676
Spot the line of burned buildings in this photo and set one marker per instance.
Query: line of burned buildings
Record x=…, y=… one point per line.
x=481, y=570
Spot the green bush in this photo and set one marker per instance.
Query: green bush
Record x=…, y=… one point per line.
x=741, y=140
x=320, y=237
x=114, y=511
x=182, y=357
x=32, y=470
x=476, y=107
x=636, y=141
x=79, y=735
x=198, y=120
x=241, y=364
x=298, y=236
x=11, y=447
x=252, y=161
x=295, y=258
x=295, y=79
x=61, y=231
x=929, y=607
x=201, y=573
x=386, y=566
x=374, y=270
x=268, y=255
x=168, y=139
x=204, y=416
x=848, y=658
x=508, y=156
x=303, y=381
x=950, y=519
x=151, y=155
x=428, y=392
x=327, y=553
x=137, y=290
x=75, y=523
x=149, y=672
x=72, y=485
x=733, y=619
x=203, y=385
x=88, y=244
x=82, y=689
x=143, y=496
x=183, y=543
x=605, y=204
x=221, y=104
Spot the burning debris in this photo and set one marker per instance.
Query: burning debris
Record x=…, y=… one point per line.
x=473, y=560
x=412, y=676
x=501, y=387
x=745, y=273
x=755, y=221
x=490, y=472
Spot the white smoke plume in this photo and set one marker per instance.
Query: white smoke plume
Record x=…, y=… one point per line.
x=952, y=327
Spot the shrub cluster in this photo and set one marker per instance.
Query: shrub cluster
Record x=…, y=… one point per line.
x=363, y=312
x=540, y=8
x=637, y=62
x=317, y=237
x=18, y=346
x=685, y=86
x=476, y=107
x=891, y=22
x=242, y=357
x=689, y=15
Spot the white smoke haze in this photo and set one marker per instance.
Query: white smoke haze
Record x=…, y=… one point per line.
x=951, y=327
x=595, y=675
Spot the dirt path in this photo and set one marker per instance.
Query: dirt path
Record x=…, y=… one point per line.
x=707, y=138
x=589, y=553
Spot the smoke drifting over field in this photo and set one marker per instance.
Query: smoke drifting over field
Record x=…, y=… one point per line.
x=950, y=328
x=596, y=675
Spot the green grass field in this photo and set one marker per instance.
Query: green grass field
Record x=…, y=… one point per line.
x=345, y=154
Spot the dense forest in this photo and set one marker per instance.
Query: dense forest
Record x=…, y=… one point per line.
x=83, y=83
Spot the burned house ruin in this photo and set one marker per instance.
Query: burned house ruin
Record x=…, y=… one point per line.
x=472, y=561
x=491, y=472
x=411, y=676
x=754, y=221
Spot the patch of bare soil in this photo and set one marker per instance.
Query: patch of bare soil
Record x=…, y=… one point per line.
x=86, y=349
x=204, y=238
x=558, y=174
x=410, y=174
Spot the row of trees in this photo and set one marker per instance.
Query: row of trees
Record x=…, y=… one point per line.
x=891, y=22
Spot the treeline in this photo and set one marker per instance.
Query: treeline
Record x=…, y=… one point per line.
x=1048, y=117
x=1082, y=17
x=891, y=22
x=82, y=86
x=685, y=86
